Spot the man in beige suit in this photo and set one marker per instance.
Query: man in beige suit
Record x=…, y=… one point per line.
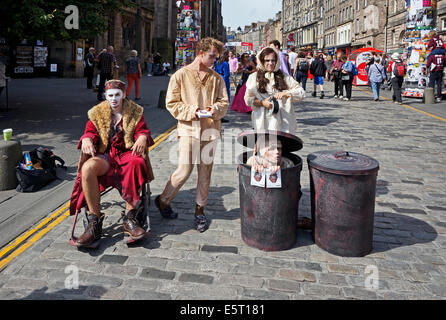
x=192, y=91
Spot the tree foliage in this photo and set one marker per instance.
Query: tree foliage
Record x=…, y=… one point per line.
x=45, y=20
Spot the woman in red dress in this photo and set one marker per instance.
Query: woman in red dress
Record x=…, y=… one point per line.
x=246, y=67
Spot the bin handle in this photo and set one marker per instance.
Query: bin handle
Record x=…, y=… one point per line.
x=342, y=154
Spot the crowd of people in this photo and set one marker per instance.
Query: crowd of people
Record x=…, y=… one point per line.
x=383, y=72
x=270, y=82
x=117, y=136
x=104, y=66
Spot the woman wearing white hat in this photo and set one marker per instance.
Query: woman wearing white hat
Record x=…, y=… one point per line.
x=271, y=93
x=397, y=69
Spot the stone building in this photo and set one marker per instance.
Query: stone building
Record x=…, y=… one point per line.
x=273, y=29
x=329, y=19
x=396, y=26
x=370, y=18
x=441, y=18
x=147, y=27
x=301, y=22
x=212, y=20
x=254, y=33
x=345, y=14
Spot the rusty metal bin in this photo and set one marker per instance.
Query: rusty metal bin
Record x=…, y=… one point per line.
x=343, y=186
x=269, y=216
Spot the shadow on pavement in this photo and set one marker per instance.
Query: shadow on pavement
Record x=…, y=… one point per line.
x=184, y=204
x=397, y=230
x=320, y=121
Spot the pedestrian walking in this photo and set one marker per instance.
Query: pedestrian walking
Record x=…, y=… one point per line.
x=435, y=65
x=347, y=77
x=318, y=69
x=336, y=69
x=150, y=65
x=292, y=57
x=246, y=68
x=89, y=67
x=134, y=73
x=397, y=69
x=222, y=68
x=271, y=93
x=193, y=90
x=310, y=59
x=301, y=69
x=157, y=64
x=233, y=67
x=377, y=76
x=283, y=63
x=106, y=65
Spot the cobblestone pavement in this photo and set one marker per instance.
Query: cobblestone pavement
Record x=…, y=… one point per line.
x=177, y=262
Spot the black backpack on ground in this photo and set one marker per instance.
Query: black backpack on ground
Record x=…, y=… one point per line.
x=37, y=178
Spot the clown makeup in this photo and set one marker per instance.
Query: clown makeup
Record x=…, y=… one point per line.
x=114, y=97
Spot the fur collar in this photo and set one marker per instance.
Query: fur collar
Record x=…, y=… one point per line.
x=101, y=117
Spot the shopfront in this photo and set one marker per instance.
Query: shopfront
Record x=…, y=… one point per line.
x=30, y=59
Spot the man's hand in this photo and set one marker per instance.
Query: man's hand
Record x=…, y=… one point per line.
x=88, y=147
x=140, y=146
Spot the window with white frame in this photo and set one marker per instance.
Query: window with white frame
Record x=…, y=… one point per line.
x=443, y=23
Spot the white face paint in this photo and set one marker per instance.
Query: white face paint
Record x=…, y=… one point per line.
x=114, y=97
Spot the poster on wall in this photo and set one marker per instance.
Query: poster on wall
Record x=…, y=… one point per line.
x=40, y=56
x=420, y=22
x=24, y=59
x=188, y=30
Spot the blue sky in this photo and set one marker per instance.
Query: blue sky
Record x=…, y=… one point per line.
x=243, y=12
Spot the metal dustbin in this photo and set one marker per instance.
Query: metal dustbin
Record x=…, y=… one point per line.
x=269, y=216
x=343, y=186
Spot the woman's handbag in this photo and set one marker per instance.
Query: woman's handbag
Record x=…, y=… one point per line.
x=346, y=77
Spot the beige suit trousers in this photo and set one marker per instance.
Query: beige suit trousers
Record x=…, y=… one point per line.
x=192, y=152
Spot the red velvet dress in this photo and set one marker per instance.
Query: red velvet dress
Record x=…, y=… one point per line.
x=127, y=172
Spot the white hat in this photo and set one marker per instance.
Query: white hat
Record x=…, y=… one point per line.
x=395, y=56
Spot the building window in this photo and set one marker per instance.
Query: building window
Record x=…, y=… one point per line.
x=393, y=37
x=443, y=24
x=365, y=3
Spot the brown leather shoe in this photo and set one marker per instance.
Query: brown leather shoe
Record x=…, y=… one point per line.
x=131, y=225
x=93, y=231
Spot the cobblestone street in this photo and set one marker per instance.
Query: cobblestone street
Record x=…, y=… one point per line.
x=177, y=262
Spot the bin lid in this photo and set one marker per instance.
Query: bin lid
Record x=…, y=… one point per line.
x=289, y=142
x=343, y=162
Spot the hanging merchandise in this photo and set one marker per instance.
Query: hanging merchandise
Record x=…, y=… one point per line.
x=420, y=22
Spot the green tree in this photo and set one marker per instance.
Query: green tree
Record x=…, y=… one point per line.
x=45, y=20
